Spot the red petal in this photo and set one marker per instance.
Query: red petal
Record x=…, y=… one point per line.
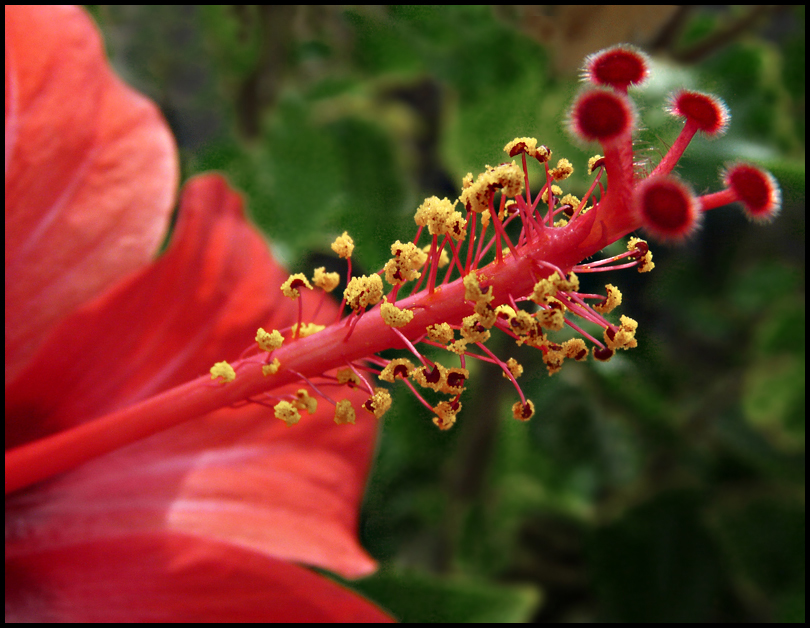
x=91, y=172
x=238, y=475
x=172, y=578
x=199, y=303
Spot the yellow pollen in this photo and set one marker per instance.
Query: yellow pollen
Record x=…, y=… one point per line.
x=287, y=412
x=423, y=376
x=444, y=258
x=344, y=413
x=575, y=349
x=440, y=217
x=446, y=414
x=473, y=330
x=612, y=300
x=395, y=367
x=592, y=163
x=529, y=146
x=514, y=368
x=325, y=281
x=645, y=264
x=290, y=287
x=307, y=329
x=553, y=316
x=472, y=289
x=440, y=332
x=393, y=316
x=363, y=291
x=563, y=170
x=269, y=341
x=521, y=412
x=348, y=376
x=454, y=380
x=272, y=368
x=508, y=177
x=555, y=189
x=223, y=370
x=343, y=245
x=379, y=403
x=405, y=265
x=624, y=338
x=458, y=347
x=305, y=402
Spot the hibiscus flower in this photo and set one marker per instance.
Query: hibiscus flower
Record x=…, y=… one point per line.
x=211, y=519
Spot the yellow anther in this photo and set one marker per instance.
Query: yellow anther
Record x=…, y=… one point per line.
x=223, y=370
x=570, y=199
x=473, y=292
x=519, y=145
x=456, y=226
x=307, y=329
x=563, y=170
x=344, y=413
x=440, y=332
x=379, y=403
x=287, y=412
x=458, y=347
x=393, y=316
x=472, y=289
x=269, y=341
x=473, y=330
x=523, y=323
x=611, y=301
x=444, y=258
x=544, y=289
x=553, y=317
x=645, y=264
x=624, y=337
x=272, y=368
x=348, y=376
x=554, y=356
x=446, y=413
x=529, y=146
x=401, y=367
x=343, y=245
x=505, y=311
x=439, y=216
x=405, y=265
x=595, y=162
x=454, y=380
x=325, y=281
x=363, y=291
x=571, y=284
x=575, y=349
x=555, y=189
x=304, y=402
x=434, y=377
x=508, y=177
x=514, y=367
x=523, y=412
x=290, y=287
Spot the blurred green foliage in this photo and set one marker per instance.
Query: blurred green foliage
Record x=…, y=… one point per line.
x=666, y=485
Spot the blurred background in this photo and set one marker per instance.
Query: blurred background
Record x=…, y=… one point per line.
x=666, y=485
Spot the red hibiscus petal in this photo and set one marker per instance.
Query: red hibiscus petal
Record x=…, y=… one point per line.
x=91, y=172
x=172, y=578
x=199, y=303
x=239, y=475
